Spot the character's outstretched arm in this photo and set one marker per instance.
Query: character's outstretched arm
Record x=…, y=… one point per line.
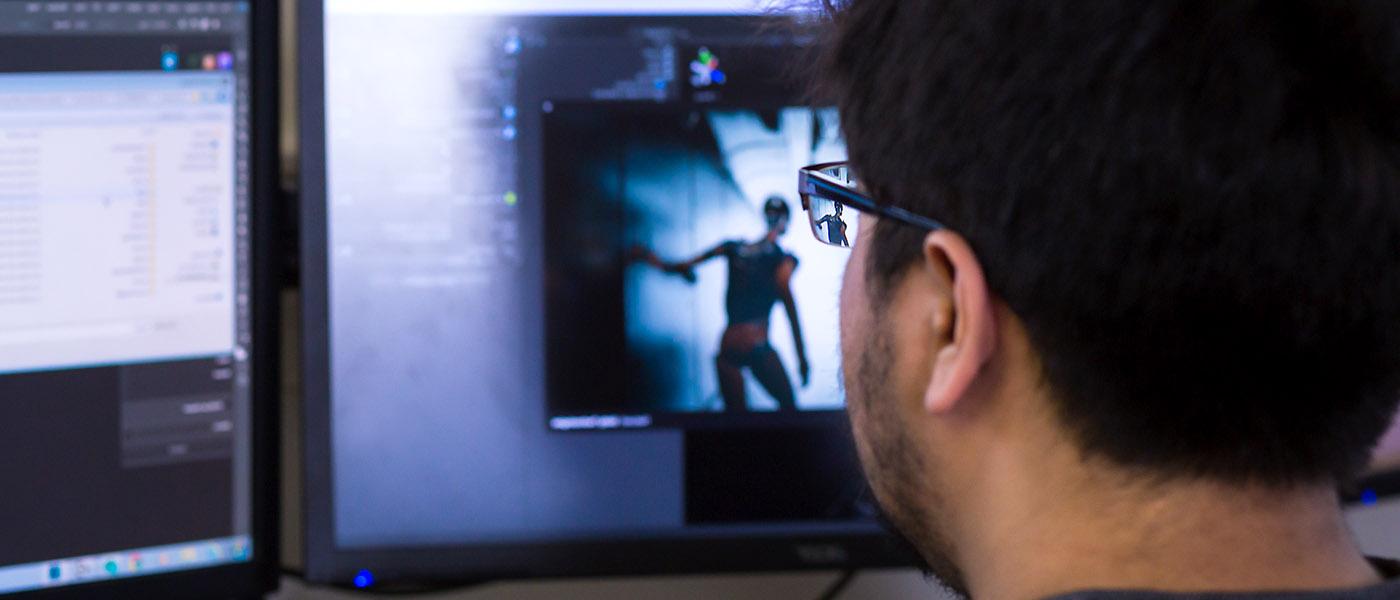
x=784, y=282
x=684, y=269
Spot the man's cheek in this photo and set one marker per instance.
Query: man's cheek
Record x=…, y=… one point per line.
x=863, y=450
x=854, y=311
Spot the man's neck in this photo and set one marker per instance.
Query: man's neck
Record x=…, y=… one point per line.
x=1182, y=536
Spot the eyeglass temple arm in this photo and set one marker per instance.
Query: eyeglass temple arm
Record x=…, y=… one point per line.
x=813, y=183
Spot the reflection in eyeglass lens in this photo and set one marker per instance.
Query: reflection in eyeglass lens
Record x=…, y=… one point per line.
x=831, y=223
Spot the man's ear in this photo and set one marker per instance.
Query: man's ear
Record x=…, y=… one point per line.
x=964, y=319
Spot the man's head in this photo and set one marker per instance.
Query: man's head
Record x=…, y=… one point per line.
x=1172, y=244
x=776, y=214
x=838, y=209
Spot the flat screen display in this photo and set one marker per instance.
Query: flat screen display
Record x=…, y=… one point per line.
x=126, y=336
x=506, y=359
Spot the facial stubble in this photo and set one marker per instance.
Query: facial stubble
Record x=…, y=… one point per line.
x=905, y=488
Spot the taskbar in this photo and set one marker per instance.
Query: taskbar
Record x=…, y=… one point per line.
x=824, y=417
x=125, y=563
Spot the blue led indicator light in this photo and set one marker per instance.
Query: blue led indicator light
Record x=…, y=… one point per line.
x=1369, y=497
x=364, y=579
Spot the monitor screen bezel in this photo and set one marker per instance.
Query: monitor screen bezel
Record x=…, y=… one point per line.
x=325, y=562
x=252, y=579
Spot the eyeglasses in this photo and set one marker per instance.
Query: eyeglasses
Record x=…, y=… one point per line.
x=827, y=188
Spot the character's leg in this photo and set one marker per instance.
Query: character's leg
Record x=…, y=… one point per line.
x=731, y=384
x=736, y=347
x=769, y=371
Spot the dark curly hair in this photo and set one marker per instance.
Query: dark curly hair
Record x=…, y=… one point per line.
x=1191, y=204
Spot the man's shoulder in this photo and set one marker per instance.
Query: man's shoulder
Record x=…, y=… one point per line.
x=1388, y=589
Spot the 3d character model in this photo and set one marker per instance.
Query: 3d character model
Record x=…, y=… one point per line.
x=835, y=227
x=759, y=276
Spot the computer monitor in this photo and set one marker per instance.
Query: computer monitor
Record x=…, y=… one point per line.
x=506, y=374
x=133, y=338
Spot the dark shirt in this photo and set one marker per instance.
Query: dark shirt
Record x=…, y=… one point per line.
x=1389, y=590
x=753, y=279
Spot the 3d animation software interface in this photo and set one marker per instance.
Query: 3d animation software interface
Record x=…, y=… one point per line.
x=123, y=292
x=682, y=264
x=444, y=206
